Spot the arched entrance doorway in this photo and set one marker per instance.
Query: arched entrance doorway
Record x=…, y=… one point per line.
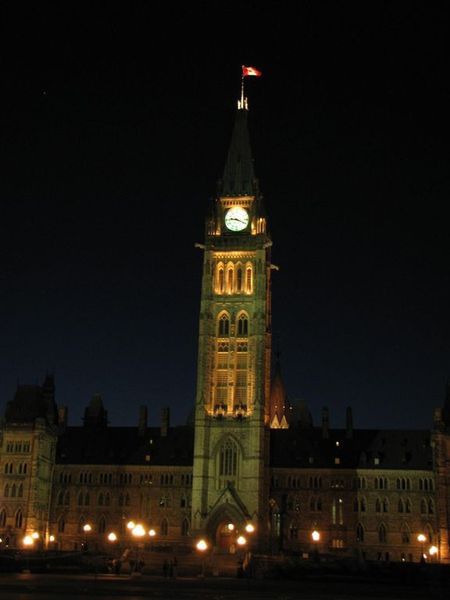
x=225, y=537
x=223, y=526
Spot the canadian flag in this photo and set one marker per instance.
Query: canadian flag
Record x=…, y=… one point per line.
x=250, y=72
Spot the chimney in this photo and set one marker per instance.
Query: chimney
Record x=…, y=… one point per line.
x=142, y=425
x=165, y=421
x=325, y=423
x=349, y=423
x=63, y=416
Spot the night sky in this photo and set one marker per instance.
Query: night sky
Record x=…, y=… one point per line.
x=115, y=125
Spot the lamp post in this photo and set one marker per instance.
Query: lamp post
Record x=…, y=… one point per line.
x=422, y=539
x=315, y=536
x=87, y=529
x=152, y=534
x=202, y=547
x=433, y=551
x=138, y=533
x=28, y=542
x=241, y=541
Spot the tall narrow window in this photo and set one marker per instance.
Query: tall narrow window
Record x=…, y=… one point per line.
x=3, y=518
x=249, y=279
x=224, y=326
x=61, y=525
x=220, y=279
x=185, y=527
x=239, y=280
x=228, y=459
x=359, y=533
x=230, y=273
x=19, y=519
x=20, y=490
x=242, y=325
x=382, y=534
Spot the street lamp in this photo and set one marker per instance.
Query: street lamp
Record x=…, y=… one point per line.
x=87, y=529
x=433, y=551
x=422, y=539
x=315, y=536
x=202, y=546
x=152, y=534
x=28, y=541
x=112, y=537
x=138, y=533
x=249, y=528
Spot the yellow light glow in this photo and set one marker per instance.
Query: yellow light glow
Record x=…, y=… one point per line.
x=241, y=541
x=433, y=550
x=315, y=536
x=152, y=533
x=421, y=538
x=202, y=545
x=112, y=537
x=138, y=530
x=131, y=525
x=51, y=538
x=230, y=527
x=28, y=540
x=35, y=535
x=87, y=528
x=249, y=528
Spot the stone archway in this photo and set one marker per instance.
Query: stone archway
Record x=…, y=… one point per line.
x=223, y=538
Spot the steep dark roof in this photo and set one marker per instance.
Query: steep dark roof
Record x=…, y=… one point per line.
x=31, y=402
x=238, y=176
x=124, y=446
x=393, y=449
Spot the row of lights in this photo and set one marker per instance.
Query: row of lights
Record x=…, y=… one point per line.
x=241, y=540
x=138, y=531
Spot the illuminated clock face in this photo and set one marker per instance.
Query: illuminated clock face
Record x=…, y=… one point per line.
x=236, y=218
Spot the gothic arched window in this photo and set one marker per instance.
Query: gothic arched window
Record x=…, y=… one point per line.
x=220, y=279
x=359, y=533
x=228, y=459
x=185, y=527
x=242, y=325
x=3, y=518
x=249, y=279
x=239, y=279
x=19, y=519
x=224, y=325
x=382, y=534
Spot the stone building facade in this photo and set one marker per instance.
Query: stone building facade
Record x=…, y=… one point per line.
x=248, y=456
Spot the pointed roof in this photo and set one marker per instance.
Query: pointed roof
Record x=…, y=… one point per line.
x=238, y=175
x=31, y=402
x=95, y=413
x=279, y=403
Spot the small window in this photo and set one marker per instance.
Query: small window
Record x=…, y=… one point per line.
x=185, y=527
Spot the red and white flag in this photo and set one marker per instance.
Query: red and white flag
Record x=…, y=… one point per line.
x=250, y=72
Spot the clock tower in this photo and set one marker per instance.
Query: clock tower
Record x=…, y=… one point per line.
x=231, y=452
